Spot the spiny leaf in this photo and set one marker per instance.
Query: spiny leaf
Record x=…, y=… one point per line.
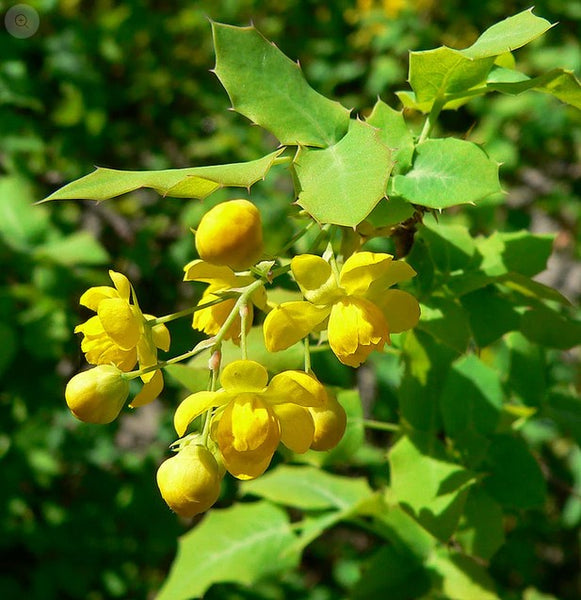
x=394, y=133
x=343, y=183
x=195, y=182
x=448, y=172
x=557, y=82
x=508, y=35
x=243, y=544
x=270, y=89
x=451, y=77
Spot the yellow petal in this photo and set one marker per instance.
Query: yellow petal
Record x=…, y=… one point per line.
x=146, y=354
x=102, y=351
x=91, y=328
x=356, y=328
x=315, y=278
x=290, y=322
x=330, y=424
x=361, y=269
x=401, y=310
x=193, y=406
x=297, y=387
x=260, y=299
x=121, y=283
x=200, y=270
x=150, y=391
x=296, y=426
x=251, y=463
x=398, y=271
x=94, y=295
x=244, y=376
x=251, y=422
x=120, y=322
x=161, y=337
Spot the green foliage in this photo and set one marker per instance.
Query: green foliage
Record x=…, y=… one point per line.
x=446, y=173
x=269, y=89
x=331, y=180
x=197, y=182
x=242, y=544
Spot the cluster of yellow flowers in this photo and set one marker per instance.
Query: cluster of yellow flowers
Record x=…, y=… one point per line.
x=242, y=418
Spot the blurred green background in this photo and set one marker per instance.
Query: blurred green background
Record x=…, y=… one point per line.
x=127, y=85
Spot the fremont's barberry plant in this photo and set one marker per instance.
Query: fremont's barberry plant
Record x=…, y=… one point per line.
x=352, y=282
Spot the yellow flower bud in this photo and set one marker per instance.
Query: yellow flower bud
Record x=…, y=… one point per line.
x=190, y=481
x=97, y=395
x=230, y=234
x=330, y=422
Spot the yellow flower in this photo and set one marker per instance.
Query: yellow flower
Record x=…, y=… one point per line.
x=230, y=234
x=221, y=279
x=254, y=415
x=97, y=395
x=190, y=481
x=330, y=423
x=361, y=311
x=119, y=334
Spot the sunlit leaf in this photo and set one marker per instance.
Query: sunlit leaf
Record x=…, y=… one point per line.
x=507, y=35
x=343, y=183
x=309, y=488
x=195, y=182
x=452, y=77
x=432, y=489
x=270, y=89
x=242, y=544
x=447, y=172
x=458, y=577
x=394, y=133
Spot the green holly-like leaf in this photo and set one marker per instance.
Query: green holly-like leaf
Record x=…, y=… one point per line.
x=432, y=489
x=451, y=77
x=243, y=544
x=458, y=577
x=510, y=34
x=446, y=321
x=195, y=182
x=514, y=477
x=390, y=211
x=268, y=88
x=481, y=531
x=557, y=82
x=309, y=488
x=472, y=397
x=394, y=133
x=491, y=314
x=519, y=251
x=447, y=172
x=343, y=183
x=442, y=73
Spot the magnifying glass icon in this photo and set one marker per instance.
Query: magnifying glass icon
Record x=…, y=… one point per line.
x=21, y=20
